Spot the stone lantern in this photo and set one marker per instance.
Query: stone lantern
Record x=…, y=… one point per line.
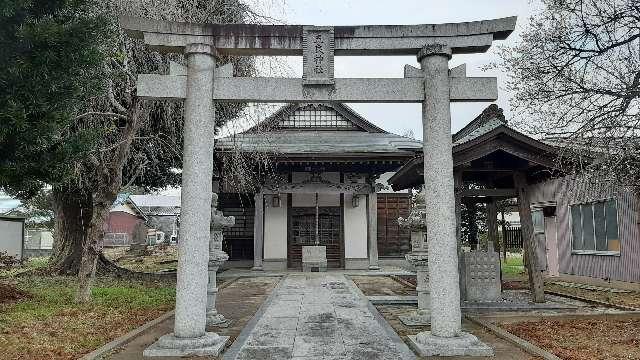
x=418, y=257
x=216, y=258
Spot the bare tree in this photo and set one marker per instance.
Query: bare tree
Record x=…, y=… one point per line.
x=139, y=141
x=575, y=76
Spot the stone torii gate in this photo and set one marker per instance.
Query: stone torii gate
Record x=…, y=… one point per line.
x=434, y=85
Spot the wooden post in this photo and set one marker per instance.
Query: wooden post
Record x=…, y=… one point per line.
x=372, y=229
x=492, y=224
x=458, y=187
x=317, y=241
x=258, y=231
x=536, y=282
x=504, y=236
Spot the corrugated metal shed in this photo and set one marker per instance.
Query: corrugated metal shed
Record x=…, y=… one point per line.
x=580, y=189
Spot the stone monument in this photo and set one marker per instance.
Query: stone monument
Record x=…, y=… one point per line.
x=216, y=258
x=314, y=258
x=482, y=275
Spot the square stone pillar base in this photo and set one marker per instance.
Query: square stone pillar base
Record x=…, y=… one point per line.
x=426, y=344
x=210, y=344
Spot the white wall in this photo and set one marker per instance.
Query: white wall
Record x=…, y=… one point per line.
x=355, y=223
x=275, y=228
x=11, y=237
x=355, y=228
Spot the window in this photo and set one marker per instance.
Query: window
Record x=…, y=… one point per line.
x=594, y=228
x=316, y=117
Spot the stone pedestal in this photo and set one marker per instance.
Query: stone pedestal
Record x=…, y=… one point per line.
x=427, y=344
x=214, y=318
x=216, y=258
x=209, y=344
x=314, y=258
x=422, y=315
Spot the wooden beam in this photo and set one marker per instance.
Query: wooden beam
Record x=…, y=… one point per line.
x=536, y=283
x=493, y=193
x=286, y=40
x=317, y=187
x=287, y=90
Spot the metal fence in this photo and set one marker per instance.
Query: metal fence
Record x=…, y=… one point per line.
x=513, y=238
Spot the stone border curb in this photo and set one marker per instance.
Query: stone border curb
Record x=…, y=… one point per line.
x=128, y=337
x=402, y=281
x=405, y=352
x=593, y=301
x=521, y=343
x=232, y=351
x=623, y=315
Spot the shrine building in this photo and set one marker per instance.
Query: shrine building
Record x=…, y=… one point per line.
x=322, y=181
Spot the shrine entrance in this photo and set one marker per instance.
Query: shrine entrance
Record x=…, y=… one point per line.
x=434, y=85
x=302, y=232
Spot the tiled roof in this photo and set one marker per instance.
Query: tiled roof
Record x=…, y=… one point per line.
x=155, y=200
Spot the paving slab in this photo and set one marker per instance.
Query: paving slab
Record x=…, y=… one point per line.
x=333, y=320
x=238, y=301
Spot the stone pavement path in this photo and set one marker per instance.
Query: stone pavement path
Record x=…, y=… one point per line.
x=319, y=316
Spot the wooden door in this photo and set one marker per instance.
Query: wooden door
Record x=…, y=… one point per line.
x=238, y=239
x=393, y=240
x=302, y=232
x=551, y=237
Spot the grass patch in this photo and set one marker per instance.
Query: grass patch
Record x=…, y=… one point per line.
x=49, y=325
x=513, y=264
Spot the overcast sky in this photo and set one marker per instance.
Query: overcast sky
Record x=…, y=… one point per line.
x=399, y=118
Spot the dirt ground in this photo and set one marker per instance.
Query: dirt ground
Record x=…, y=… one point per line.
x=156, y=258
x=382, y=286
x=583, y=339
x=503, y=350
x=631, y=299
x=238, y=301
x=10, y=293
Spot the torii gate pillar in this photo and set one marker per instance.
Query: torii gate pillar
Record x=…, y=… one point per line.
x=189, y=335
x=446, y=337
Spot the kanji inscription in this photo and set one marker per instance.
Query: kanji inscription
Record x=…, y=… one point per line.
x=318, y=52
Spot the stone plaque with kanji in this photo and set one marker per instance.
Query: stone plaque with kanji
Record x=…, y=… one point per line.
x=318, y=46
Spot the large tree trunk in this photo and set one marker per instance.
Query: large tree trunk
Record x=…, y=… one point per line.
x=91, y=250
x=105, y=191
x=73, y=213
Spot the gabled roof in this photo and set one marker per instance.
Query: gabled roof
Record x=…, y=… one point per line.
x=487, y=134
x=300, y=130
x=123, y=203
x=342, y=111
x=490, y=118
x=155, y=200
